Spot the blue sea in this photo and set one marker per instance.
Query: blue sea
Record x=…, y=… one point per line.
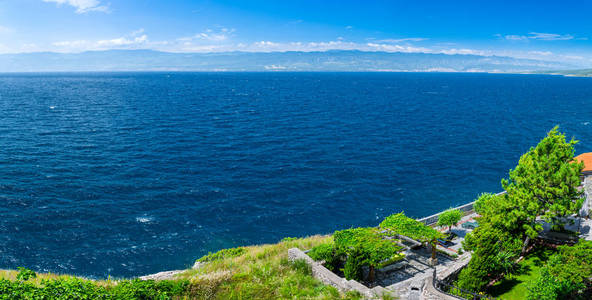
x=126, y=174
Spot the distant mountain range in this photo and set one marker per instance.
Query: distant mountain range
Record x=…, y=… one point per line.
x=335, y=60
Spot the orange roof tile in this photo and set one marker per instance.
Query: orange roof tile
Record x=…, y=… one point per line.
x=587, y=159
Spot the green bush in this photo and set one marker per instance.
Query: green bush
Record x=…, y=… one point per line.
x=25, y=274
x=328, y=253
x=149, y=289
x=364, y=247
x=75, y=288
x=566, y=274
x=353, y=266
x=222, y=254
x=70, y=288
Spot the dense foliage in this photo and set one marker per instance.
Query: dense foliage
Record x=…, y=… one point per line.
x=224, y=253
x=566, y=275
x=25, y=274
x=483, y=205
x=494, y=252
x=449, y=218
x=328, y=253
x=363, y=246
x=544, y=184
x=76, y=288
x=403, y=225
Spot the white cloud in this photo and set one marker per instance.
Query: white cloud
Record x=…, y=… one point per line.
x=83, y=6
x=200, y=44
x=396, y=48
x=71, y=44
x=514, y=37
x=211, y=35
x=550, y=36
x=414, y=39
x=266, y=44
x=539, y=36
x=572, y=57
x=274, y=67
x=464, y=51
x=542, y=53
x=123, y=41
x=133, y=40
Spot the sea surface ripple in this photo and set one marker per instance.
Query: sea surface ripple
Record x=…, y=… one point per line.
x=126, y=174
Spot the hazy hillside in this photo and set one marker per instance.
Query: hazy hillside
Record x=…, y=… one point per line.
x=148, y=60
x=581, y=72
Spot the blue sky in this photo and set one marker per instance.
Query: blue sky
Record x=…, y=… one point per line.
x=548, y=30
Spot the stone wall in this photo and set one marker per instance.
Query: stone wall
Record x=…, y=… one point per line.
x=327, y=277
x=465, y=208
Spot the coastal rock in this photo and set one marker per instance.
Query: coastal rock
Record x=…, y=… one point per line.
x=166, y=275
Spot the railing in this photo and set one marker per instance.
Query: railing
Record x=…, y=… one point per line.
x=465, y=208
x=440, y=285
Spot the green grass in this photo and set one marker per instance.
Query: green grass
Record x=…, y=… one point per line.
x=263, y=272
x=254, y=272
x=514, y=286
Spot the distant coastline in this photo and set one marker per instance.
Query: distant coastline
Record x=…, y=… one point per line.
x=566, y=73
x=297, y=61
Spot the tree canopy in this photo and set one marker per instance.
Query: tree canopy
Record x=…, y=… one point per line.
x=449, y=218
x=368, y=242
x=363, y=246
x=403, y=225
x=544, y=184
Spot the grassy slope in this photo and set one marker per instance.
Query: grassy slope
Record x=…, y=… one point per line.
x=514, y=286
x=262, y=272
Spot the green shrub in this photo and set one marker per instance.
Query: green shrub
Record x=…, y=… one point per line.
x=565, y=275
x=76, y=288
x=365, y=247
x=71, y=288
x=16, y=290
x=222, y=254
x=328, y=253
x=494, y=252
x=544, y=287
x=353, y=266
x=25, y=274
x=149, y=289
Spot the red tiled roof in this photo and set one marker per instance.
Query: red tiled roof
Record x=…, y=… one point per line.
x=587, y=159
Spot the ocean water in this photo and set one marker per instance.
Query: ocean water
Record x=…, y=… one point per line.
x=126, y=174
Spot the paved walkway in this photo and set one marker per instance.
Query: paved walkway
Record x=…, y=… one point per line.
x=410, y=282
